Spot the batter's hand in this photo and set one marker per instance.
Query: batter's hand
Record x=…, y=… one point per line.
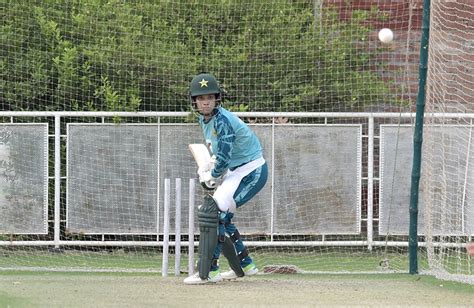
x=206, y=179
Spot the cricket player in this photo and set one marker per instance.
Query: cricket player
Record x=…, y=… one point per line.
x=237, y=175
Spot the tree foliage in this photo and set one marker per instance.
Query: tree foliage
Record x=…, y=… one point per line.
x=116, y=55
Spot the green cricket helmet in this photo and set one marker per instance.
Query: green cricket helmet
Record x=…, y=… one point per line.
x=204, y=84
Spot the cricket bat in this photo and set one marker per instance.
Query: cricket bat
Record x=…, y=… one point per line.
x=201, y=155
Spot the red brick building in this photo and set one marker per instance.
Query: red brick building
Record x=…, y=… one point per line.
x=451, y=53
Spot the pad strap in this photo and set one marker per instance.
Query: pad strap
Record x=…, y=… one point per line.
x=221, y=236
x=235, y=236
x=243, y=254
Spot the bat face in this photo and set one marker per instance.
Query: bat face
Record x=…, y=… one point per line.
x=201, y=155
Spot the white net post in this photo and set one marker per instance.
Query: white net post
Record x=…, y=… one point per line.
x=177, y=232
x=57, y=181
x=166, y=227
x=191, y=205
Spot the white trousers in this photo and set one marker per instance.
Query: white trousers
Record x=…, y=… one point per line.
x=224, y=194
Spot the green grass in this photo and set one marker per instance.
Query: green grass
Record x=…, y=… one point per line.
x=7, y=300
x=143, y=261
x=148, y=261
x=89, y=260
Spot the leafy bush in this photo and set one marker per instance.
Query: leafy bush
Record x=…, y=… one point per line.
x=140, y=55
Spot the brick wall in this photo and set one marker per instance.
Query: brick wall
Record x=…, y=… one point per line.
x=404, y=17
x=451, y=47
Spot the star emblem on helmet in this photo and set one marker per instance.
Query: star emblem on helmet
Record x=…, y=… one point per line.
x=203, y=83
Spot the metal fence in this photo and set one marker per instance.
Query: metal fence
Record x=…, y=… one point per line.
x=339, y=178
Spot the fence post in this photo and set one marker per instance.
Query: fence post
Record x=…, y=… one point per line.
x=192, y=190
x=177, y=229
x=57, y=180
x=166, y=228
x=370, y=183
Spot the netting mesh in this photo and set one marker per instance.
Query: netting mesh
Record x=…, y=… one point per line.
x=139, y=56
x=448, y=152
x=336, y=199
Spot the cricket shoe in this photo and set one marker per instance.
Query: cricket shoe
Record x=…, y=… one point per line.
x=214, y=277
x=249, y=270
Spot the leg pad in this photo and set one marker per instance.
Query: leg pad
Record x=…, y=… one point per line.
x=229, y=252
x=208, y=219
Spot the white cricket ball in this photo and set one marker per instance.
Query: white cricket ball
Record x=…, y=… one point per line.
x=385, y=35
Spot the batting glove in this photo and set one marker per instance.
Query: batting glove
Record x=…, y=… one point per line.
x=206, y=179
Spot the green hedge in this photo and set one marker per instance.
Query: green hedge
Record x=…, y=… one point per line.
x=140, y=55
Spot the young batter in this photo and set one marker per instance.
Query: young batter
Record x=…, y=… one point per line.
x=241, y=171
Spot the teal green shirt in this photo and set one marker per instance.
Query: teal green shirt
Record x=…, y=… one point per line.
x=230, y=139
